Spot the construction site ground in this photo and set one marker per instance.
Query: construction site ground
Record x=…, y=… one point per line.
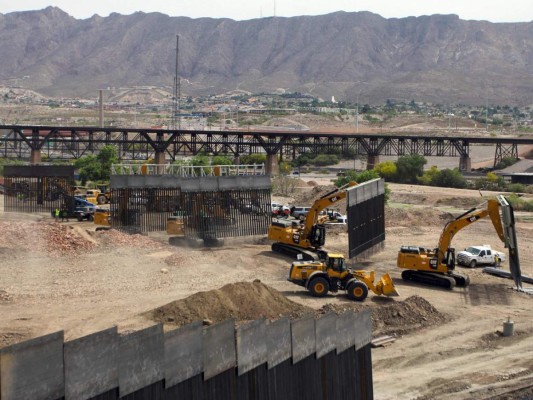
x=66, y=276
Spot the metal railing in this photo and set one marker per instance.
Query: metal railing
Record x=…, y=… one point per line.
x=187, y=170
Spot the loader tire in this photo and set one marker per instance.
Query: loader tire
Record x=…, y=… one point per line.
x=319, y=287
x=357, y=291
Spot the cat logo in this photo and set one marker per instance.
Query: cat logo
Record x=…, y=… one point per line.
x=473, y=218
x=296, y=238
x=334, y=199
x=433, y=263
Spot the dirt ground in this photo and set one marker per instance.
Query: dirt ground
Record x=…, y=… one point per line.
x=65, y=276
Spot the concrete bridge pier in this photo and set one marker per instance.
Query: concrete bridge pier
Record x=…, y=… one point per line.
x=465, y=164
x=371, y=161
x=35, y=157
x=272, y=166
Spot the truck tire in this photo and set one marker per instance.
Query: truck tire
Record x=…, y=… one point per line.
x=472, y=264
x=357, y=291
x=319, y=287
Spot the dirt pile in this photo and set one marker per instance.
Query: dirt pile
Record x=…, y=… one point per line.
x=243, y=301
x=307, y=197
x=425, y=216
x=397, y=318
x=115, y=238
x=50, y=237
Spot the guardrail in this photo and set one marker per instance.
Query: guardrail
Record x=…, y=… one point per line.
x=188, y=170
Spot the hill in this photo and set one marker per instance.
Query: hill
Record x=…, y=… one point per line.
x=438, y=58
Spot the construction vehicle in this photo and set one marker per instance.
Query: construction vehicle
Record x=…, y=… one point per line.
x=102, y=217
x=332, y=275
x=293, y=237
x=436, y=266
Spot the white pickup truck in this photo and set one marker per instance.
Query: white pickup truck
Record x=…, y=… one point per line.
x=479, y=255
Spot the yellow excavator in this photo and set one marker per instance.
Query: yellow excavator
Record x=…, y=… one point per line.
x=293, y=237
x=332, y=275
x=436, y=266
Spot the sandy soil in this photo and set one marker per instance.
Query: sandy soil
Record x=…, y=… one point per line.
x=107, y=279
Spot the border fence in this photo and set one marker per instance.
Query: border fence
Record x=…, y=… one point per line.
x=325, y=358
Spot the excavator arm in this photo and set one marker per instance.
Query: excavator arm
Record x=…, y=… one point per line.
x=450, y=230
x=322, y=203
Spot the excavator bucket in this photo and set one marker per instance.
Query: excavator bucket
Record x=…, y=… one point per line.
x=386, y=286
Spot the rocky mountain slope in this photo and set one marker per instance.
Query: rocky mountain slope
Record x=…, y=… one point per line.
x=438, y=58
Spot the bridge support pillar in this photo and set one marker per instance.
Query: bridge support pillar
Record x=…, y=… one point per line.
x=371, y=161
x=160, y=160
x=465, y=164
x=35, y=157
x=272, y=166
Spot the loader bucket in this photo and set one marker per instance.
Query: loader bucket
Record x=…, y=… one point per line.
x=386, y=286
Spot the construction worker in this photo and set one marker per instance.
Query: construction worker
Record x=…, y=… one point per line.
x=56, y=214
x=497, y=261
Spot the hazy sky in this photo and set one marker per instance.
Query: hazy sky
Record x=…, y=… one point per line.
x=491, y=10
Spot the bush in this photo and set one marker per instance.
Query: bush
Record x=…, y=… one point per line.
x=516, y=188
x=410, y=168
x=520, y=204
x=451, y=178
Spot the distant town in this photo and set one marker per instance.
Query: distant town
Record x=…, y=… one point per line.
x=152, y=107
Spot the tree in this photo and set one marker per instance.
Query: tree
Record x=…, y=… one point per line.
x=429, y=177
x=410, y=167
x=221, y=160
x=325, y=159
x=89, y=168
x=255, y=158
x=387, y=170
x=107, y=157
x=450, y=178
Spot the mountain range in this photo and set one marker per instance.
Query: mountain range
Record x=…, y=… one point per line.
x=438, y=58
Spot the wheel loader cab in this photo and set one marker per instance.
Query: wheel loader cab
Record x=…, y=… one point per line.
x=336, y=263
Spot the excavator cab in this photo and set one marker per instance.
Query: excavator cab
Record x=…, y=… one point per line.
x=317, y=238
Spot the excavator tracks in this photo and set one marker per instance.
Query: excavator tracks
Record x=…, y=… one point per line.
x=293, y=252
x=428, y=278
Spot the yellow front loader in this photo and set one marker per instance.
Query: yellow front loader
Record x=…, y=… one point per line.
x=332, y=275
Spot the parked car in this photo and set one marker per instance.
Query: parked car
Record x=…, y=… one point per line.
x=299, y=212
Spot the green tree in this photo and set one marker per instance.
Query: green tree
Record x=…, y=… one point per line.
x=221, y=160
x=322, y=160
x=200, y=160
x=430, y=176
x=450, y=178
x=255, y=158
x=89, y=168
x=410, y=167
x=106, y=157
x=387, y=170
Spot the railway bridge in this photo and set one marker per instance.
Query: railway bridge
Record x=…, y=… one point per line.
x=55, y=142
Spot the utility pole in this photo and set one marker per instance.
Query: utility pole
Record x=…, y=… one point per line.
x=101, y=107
x=177, y=91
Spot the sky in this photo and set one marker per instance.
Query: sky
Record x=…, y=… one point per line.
x=489, y=10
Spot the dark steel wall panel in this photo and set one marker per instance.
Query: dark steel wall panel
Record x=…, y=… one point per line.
x=366, y=216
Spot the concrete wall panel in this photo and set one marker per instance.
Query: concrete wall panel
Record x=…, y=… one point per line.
x=345, y=331
x=91, y=364
x=219, y=348
x=363, y=329
x=33, y=370
x=326, y=334
x=141, y=359
x=251, y=346
x=303, y=338
x=183, y=353
x=278, y=339
x=365, y=191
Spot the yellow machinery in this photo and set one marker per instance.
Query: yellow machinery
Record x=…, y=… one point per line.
x=102, y=217
x=436, y=266
x=294, y=238
x=176, y=230
x=332, y=275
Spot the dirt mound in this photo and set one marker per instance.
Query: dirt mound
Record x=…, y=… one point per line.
x=50, y=237
x=243, y=301
x=425, y=216
x=398, y=318
x=307, y=197
x=113, y=238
